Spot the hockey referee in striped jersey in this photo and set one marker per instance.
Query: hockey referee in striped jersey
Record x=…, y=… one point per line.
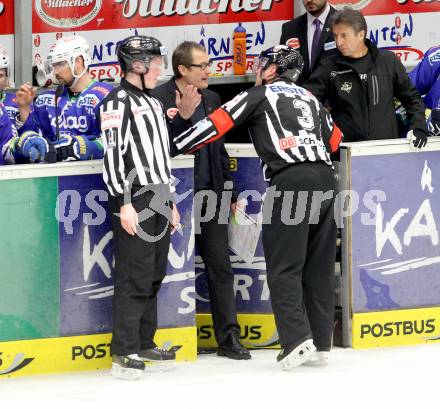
x=293, y=135
x=137, y=175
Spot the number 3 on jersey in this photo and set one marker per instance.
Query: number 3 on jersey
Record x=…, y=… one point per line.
x=306, y=120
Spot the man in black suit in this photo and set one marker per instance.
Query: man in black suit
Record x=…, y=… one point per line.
x=191, y=66
x=310, y=33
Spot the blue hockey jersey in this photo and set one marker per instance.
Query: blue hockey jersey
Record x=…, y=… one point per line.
x=7, y=132
x=9, y=100
x=77, y=115
x=426, y=77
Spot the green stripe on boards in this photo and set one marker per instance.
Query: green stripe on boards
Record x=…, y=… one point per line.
x=29, y=259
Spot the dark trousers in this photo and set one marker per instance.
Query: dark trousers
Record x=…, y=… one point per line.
x=140, y=266
x=300, y=258
x=212, y=243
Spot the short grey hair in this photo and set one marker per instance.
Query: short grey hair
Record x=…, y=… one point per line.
x=350, y=17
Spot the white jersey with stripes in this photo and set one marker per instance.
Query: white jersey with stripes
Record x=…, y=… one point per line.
x=136, y=141
x=287, y=125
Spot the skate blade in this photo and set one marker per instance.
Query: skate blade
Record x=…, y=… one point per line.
x=128, y=374
x=295, y=359
x=318, y=360
x=151, y=366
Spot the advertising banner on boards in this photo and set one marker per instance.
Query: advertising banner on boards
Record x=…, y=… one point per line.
x=407, y=27
x=86, y=259
x=7, y=32
x=396, y=328
x=105, y=22
x=395, y=231
x=250, y=284
x=58, y=258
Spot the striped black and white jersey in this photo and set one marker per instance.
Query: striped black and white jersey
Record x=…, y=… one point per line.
x=136, y=141
x=287, y=125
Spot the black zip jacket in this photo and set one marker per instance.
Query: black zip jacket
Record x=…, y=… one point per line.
x=367, y=117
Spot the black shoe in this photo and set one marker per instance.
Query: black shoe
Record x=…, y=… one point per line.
x=233, y=348
x=127, y=367
x=157, y=354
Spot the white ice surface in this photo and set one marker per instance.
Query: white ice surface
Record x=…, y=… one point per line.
x=389, y=378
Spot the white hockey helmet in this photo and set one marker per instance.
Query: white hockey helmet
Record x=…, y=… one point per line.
x=4, y=60
x=68, y=49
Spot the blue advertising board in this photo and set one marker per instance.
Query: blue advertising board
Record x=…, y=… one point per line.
x=395, y=231
x=250, y=284
x=86, y=258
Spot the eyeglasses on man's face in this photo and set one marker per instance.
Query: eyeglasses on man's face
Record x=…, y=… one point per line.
x=203, y=66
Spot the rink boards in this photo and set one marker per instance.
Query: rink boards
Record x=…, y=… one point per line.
x=396, y=328
x=250, y=284
x=56, y=270
x=391, y=246
x=81, y=353
x=257, y=331
x=370, y=330
x=57, y=262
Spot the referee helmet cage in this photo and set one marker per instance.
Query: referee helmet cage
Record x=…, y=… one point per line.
x=140, y=48
x=289, y=61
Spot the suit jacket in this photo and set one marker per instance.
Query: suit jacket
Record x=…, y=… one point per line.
x=220, y=173
x=297, y=28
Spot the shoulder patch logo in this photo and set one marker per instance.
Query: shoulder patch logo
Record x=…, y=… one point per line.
x=434, y=57
x=100, y=89
x=121, y=94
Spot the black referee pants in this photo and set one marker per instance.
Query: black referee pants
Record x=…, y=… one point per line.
x=212, y=243
x=140, y=266
x=300, y=256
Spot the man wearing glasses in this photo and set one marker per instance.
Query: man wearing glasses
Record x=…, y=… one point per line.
x=191, y=66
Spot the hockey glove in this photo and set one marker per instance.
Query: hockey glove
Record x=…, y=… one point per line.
x=418, y=138
x=30, y=145
x=73, y=148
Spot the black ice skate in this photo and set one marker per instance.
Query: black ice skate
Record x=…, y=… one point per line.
x=157, y=359
x=292, y=356
x=157, y=354
x=128, y=367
